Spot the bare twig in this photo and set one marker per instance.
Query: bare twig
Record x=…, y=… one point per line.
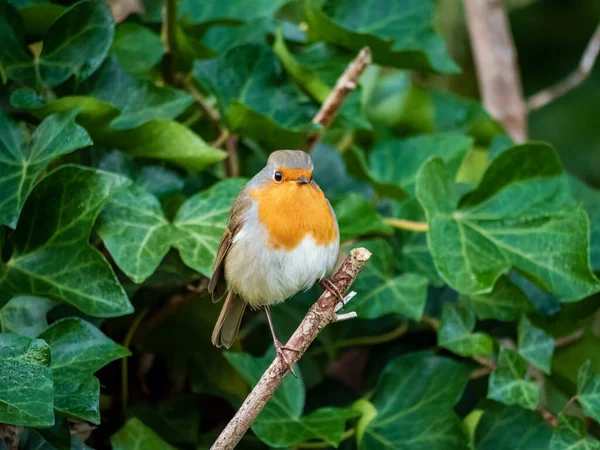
x=345, y=84
x=409, y=225
x=232, y=165
x=497, y=68
x=321, y=314
x=169, y=37
x=211, y=113
x=569, y=403
x=569, y=83
x=568, y=339
x=11, y=434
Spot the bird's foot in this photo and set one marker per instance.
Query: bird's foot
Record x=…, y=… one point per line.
x=328, y=285
x=280, y=349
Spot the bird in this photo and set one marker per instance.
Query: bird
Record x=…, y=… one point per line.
x=282, y=237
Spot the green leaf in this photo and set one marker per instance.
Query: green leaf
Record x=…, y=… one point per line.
x=137, y=436
x=157, y=139
x=281, y=424
x=201, y=222
x=317, y=68
x=255, y=98
x=221, y=39
x=535, y=345
x=78, y=350
x=509, y=384
x=590, y=200
x=456, y=332
x=399, y=33
x=413, y=403
x=357, y=217
x=136, y=232
x=27, y=315
x=22, y=160
x=51, y=245
x=588, y=391
x=56, y=438
x=507, y=302
x=227, y=10
x=380, y=292
x=520, y=216
x=74, y=45
x=571, y=434
x=26, y=382
x=137, y=48
x=511, y=427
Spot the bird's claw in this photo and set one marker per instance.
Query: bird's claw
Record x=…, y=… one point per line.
x=328, y=285
x=279, y=348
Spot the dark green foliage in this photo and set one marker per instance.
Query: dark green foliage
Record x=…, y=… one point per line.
x=119, y=141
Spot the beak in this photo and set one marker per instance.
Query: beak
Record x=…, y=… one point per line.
x=302, y=180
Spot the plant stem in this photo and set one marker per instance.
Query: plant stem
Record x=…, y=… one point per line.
x=124, y=366
x=347, y=435
x=410, y=225
x=2, y=328
x=169, y=35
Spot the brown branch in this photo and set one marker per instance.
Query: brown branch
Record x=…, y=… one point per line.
x=569, y=83
x=232, y=165
x=11, y=435
x=345, y=84
x=211, y=113
x=169, y=37
x=321, y=314
x=497, y=68
x=568, y=339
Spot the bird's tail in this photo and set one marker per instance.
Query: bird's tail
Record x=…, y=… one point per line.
x=228, y=323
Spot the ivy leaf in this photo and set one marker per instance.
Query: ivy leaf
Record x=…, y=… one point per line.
x=26, y=382
x=420, y=417
x=456, y=332
x=508, y=384
x=254, y=97
x=221, y=39
x=281, y=424
x=201, y=222
x=27, y=315
x=399, y=33
x=223, y=11
x=23, y=160
x=571, y=434
x=507, y=302
x=380, y=292
x=137, y=48
x=520, y=216
x=588, y=391
x=357, y=217
x=51, y=244
x=590, y=200
x=157, y=139
x=136, y=232
x=137, y=436
x=535, y=345
x=511, y=427
x=74, y=45
x=78, y=350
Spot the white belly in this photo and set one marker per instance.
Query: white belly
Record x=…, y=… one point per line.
x=267, y=276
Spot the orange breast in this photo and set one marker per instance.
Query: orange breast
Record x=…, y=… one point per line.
x=290, y=211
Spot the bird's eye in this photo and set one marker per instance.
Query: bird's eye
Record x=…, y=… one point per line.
x=277, y=176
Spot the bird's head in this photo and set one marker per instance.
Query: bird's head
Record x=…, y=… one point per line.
x=286, y=167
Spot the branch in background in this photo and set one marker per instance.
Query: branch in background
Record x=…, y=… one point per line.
x=11, y=434
x=496, y=62
x=410, y=225
x=568, y=339
x=345, y=84
x=169, y=38
x=321, y=314
x=211, y=113
x=232, y=166
x=582, y=72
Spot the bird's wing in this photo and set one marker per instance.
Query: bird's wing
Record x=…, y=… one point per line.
x=218, y=285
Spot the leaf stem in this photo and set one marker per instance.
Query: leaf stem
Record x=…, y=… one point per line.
x=2, y=328
x=410, y=225
x=169, y=35
x=124, y=366
x=347, y=435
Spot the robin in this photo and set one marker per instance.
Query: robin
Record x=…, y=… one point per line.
x=282, y=237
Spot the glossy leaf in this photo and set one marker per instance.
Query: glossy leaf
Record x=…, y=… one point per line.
x=507, y=302
x=228, y=10
x=137, y=48
x=521, y=215
x=399, y=33
x=588, y=391
x=535, y=345
x=52, y=255
x=74, y=45
x=26, y=382
x=420, y=417
x=509, y=383
x=357, y=217
x=456, y=332
x=27, y=315
x=281, y=424
x=380, y=292
x=78, y=350
x=255, y=98
x=221, y=39
x=136, y=436
x=22, y=161
x=504, y=427
x=571, y=434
